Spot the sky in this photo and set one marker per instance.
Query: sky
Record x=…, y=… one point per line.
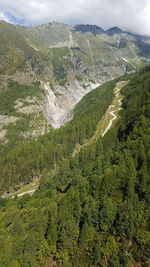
x=129, y=15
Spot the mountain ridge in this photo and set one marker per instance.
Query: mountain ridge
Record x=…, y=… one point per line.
x=55, y=23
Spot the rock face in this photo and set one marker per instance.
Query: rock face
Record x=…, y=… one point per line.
x=58, y=105
x=68, y=61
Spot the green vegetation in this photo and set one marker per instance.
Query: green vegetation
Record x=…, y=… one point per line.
x=60, y=61
x=14, y=92
x=16, y=62
x=20, y=124
x=14, y=49
x=94, y=209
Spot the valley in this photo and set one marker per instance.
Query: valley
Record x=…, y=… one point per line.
x=74, y=146
x=103, y=126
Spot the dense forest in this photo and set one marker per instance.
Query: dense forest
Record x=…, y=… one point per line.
x=94, y=210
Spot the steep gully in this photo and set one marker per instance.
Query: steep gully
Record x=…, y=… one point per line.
x=59, y=104
x=60, y=101
x=103, y=127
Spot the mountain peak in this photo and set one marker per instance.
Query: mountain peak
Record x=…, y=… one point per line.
x=94, y=29
x=114, y=30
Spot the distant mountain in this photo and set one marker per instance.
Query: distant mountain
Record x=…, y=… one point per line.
x=94, y=29
x=114, y=30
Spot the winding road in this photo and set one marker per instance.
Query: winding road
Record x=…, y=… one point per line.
x=108, y=119
x=113, y=109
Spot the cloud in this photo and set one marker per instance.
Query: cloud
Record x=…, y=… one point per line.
x=131, y=15
x=4, y=17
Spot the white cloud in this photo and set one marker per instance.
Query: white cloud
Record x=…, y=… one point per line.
x=131, y=15
x=3, y=17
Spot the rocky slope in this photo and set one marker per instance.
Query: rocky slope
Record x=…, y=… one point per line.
x=67, y=61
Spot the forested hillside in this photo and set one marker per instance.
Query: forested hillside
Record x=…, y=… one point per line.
x=23, y=161
x=94, y=209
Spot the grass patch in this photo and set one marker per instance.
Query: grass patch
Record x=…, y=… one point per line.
x=14, y=92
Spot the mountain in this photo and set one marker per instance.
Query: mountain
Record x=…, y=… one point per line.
x=94, y=29
x=92, y=204
x=114, y=30
x=64, y=63
x=74, y=154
